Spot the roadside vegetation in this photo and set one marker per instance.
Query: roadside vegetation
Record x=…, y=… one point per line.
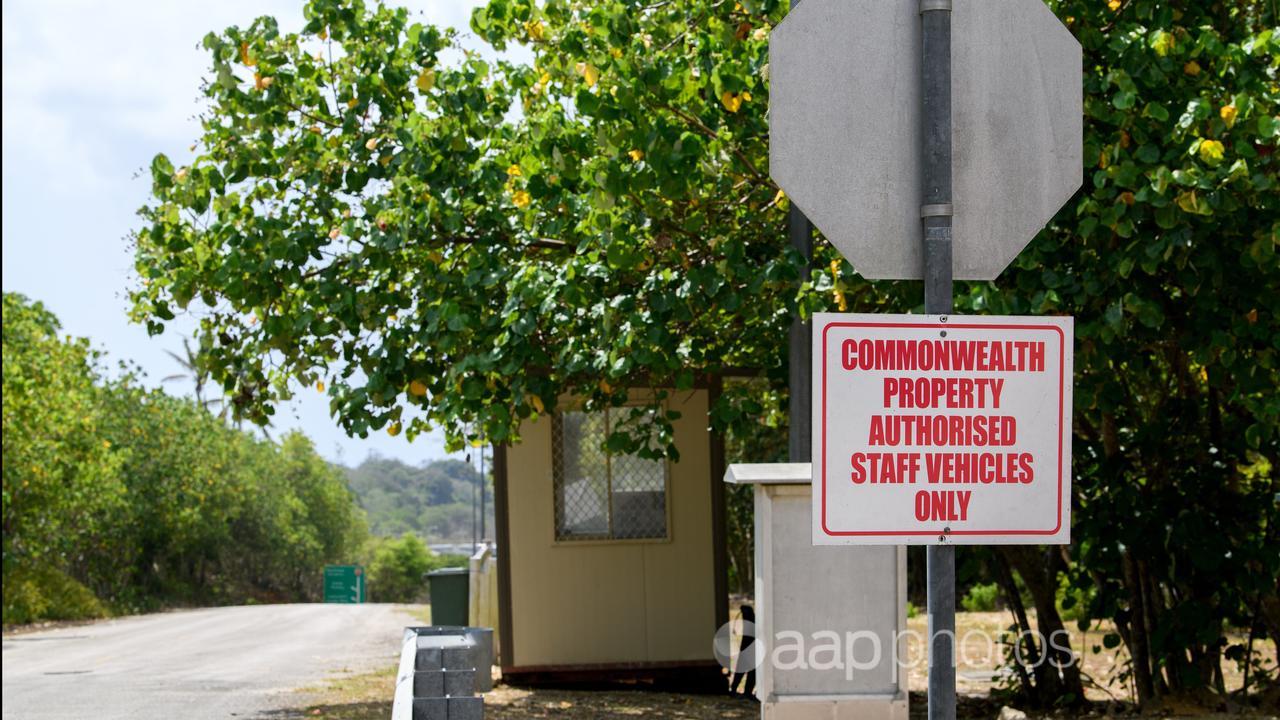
x=122, y=499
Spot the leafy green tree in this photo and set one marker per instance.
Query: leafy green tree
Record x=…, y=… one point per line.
x=459, y=246
x=1167, y=258
x=397, y=568
x=62, y=484
x=381, y=222
x=118, y=498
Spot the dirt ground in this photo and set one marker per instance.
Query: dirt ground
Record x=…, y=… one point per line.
x=368, y=697
x=980, y=659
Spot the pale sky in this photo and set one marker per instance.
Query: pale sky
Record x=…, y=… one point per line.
x=92, y=91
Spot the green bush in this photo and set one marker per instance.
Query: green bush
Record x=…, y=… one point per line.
x=46, y=593
x=395, y=572
x=980, y=598
x=396, y=567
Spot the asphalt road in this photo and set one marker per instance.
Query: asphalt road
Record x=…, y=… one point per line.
x=240, y=662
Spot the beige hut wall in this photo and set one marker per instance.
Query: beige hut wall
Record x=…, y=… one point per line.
x=607, y=602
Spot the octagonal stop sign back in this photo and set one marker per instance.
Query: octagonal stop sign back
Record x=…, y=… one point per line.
x=845, y=127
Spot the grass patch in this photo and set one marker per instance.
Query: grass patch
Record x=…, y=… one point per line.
x=362, y=696
x=420, y=612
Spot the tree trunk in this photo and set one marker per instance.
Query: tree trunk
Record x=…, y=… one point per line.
x=1004, y=577
x=1138, y=648
x=1057, y=673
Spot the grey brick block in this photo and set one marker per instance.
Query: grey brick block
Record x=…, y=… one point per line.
x=429, y=684
x=459, y=683
x=460, y=657
x=466, y=708
x=428, y=658
x=430, y=709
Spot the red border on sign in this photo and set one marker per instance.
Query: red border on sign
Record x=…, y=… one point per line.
x=1062, y=369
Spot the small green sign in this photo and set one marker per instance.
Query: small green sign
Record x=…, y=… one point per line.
x=343, y=584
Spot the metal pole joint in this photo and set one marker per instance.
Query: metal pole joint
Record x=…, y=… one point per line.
x=935, y=6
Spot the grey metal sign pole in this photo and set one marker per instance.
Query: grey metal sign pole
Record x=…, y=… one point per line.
x=800, y=356
x=936, y=214
x=800, y=380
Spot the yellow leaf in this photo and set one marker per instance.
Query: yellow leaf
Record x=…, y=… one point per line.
x=262, y=83
x=417, y=388
x=1228, y=114
x=521, y=199
x=1114, y=5
x=352, y=103
x=1192, y=68
x=588, y=73
x=244, y=55
x=320, y=386
x=535, y=29
x=636, y=155
x=371, y=144
x=394, y=429
x=514, y=171
x=606, y=387
x=1211, y=152
x=746, y=96
x=731, y=101
x=1189, y=202
x=426, y=79
x=537, y=403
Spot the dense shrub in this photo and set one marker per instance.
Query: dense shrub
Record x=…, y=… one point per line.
x=980, y=598
x=397, y=565
x=119, y=498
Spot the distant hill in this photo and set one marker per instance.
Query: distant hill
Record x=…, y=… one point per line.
x=435, y=501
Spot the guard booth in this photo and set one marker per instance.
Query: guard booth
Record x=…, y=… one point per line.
x=610, y=567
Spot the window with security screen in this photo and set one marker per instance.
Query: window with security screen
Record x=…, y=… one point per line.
x=600, y=495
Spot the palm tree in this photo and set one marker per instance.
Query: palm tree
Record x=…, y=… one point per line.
x=198, y=374
x=190, y=362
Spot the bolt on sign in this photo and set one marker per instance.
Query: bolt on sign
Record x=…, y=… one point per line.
x=942, y=429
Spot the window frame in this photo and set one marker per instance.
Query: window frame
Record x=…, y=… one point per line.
x=557, y=484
